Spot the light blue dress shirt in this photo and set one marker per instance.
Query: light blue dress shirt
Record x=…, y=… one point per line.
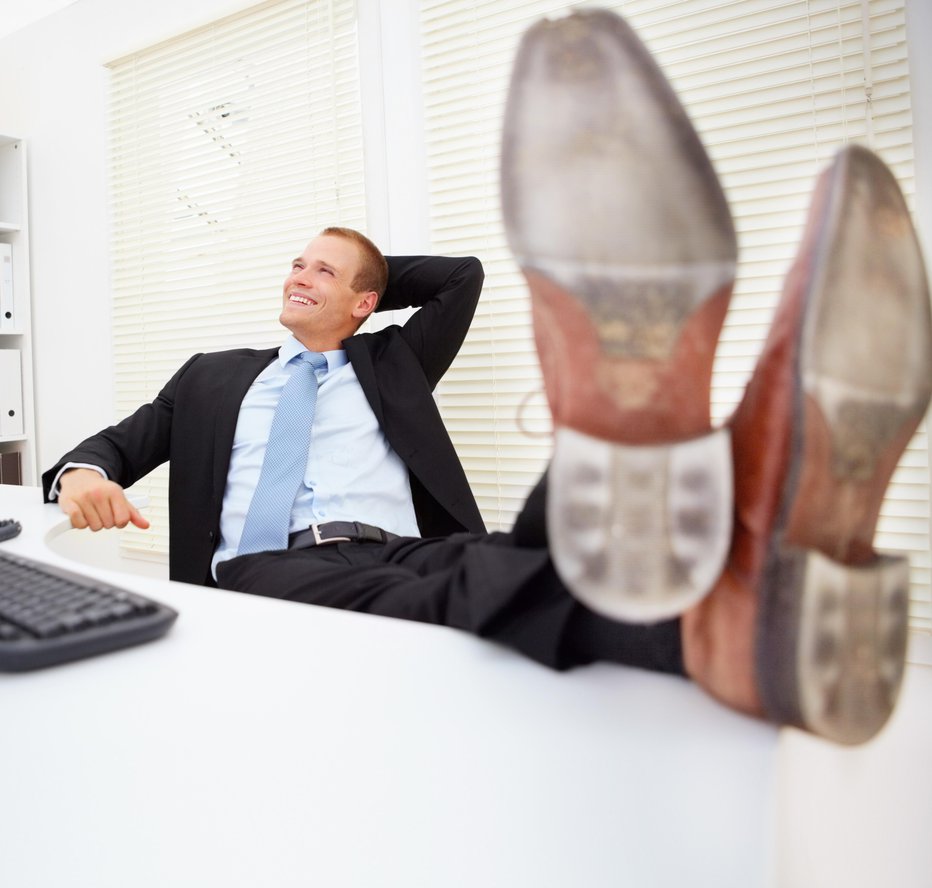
x=352, y=472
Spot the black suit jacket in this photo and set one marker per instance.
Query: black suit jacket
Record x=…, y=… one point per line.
x=192, y=421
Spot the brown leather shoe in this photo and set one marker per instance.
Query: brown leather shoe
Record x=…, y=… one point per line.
x=617, y=219
x=808, y=624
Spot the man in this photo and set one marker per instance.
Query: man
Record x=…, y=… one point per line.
x=374, y=398
x=619, y=224
x=382, y=382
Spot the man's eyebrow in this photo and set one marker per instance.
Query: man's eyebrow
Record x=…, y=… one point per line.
x=320, y=263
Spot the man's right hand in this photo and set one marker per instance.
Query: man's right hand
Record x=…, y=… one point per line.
x=90, y=500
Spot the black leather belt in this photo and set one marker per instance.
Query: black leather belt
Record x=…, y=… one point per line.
x=338, y=532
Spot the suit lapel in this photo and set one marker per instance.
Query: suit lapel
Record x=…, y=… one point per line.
x=409, y=417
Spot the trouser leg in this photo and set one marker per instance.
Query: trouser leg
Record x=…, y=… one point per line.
x=588, y=636
x=498, y=586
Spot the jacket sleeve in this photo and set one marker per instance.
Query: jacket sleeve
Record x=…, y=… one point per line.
x=446, y=291
x=132, y=448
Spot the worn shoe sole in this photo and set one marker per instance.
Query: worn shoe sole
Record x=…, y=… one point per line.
x=833, y=615
x=617, y=220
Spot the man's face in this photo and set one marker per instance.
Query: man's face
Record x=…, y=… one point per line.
x=320, y=306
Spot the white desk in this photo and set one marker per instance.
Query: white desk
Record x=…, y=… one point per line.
x=268, y=743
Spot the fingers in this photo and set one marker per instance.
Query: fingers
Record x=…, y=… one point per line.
x=123, y=512
x=74, y=512
x=98, y=504
x=136, y=517
x=96, y=509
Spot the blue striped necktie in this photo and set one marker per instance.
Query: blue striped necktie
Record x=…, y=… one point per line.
x=269, y=515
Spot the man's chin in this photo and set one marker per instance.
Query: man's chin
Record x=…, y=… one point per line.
x=294, y=319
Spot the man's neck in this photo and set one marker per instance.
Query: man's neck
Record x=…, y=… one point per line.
x=322, y=343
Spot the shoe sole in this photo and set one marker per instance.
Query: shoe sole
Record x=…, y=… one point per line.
x=630, y=283
x=834, y=615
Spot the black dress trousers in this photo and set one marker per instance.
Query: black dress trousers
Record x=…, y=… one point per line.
x=499, y=586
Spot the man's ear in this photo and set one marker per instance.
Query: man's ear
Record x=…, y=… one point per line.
x=366, y=304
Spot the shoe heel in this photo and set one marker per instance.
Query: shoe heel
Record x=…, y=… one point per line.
x=832, y=643
x=639, y=534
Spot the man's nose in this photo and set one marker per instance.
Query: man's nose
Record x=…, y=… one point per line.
x=300, y=277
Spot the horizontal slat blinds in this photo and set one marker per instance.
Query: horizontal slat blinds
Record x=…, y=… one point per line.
x=774, y=87
x=230, y=147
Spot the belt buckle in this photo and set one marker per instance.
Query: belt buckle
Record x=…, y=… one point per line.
x=320, y=541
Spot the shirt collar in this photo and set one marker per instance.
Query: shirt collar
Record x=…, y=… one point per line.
x=291, y=348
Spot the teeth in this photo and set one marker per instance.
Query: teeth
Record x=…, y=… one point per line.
x=294, y=297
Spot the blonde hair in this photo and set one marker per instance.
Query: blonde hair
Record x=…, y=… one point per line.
x=373, y=269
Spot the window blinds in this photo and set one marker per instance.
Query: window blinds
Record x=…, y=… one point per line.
x=234, y=143
x=774, y=88
x=231, y=146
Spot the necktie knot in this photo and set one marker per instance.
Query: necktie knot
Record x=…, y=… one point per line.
x=315, y=359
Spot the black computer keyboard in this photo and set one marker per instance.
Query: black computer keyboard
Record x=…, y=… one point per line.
x=49, y=615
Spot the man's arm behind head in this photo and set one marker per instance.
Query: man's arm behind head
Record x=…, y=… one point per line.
x=446, y=290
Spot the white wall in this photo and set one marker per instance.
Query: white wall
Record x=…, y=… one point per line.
x=53, y=93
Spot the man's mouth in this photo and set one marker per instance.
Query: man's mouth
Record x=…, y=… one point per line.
x=301, y=300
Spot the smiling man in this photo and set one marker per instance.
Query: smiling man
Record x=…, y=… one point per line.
x=334, y=285
x=383, y=519
x=379, y=451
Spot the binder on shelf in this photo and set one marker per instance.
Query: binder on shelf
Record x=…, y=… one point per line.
x=11, y=468
x=7, y=312
x=11, y=393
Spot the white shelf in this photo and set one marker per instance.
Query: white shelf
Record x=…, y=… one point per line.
x=14, y=230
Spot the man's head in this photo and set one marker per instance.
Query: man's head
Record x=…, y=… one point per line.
x=334, y=285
